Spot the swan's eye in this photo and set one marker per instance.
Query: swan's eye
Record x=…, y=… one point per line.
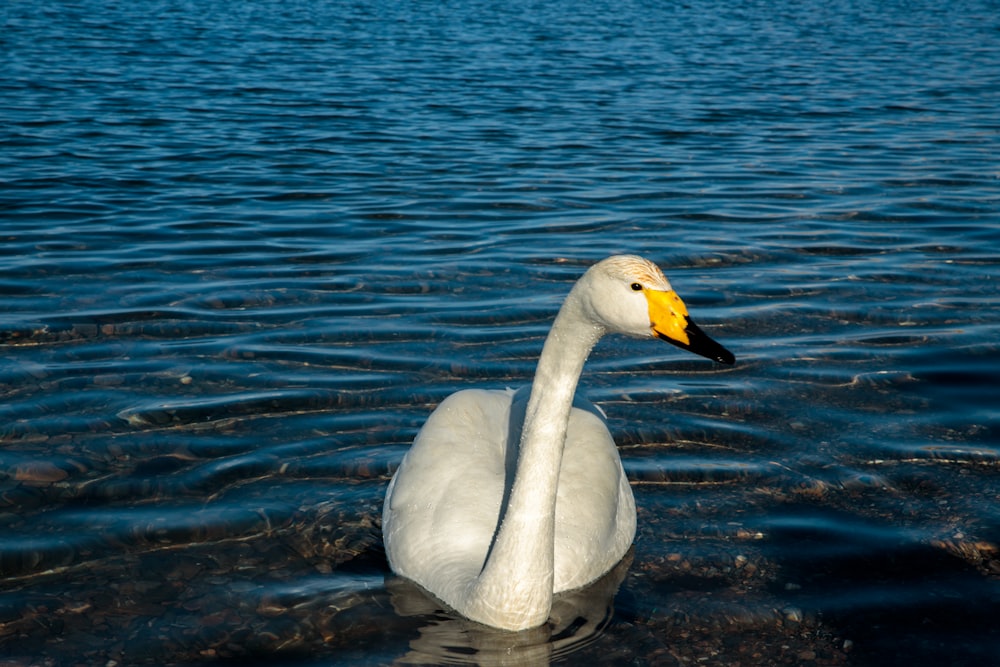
x=636, y=287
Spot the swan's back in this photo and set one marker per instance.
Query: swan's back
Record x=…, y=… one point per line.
x=443, y=505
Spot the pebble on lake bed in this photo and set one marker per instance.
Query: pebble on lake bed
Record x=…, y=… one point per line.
x=39, y=472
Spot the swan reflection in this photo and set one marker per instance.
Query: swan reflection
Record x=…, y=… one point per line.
x=577, y=619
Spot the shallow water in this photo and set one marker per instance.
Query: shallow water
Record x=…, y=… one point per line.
x=246, y=248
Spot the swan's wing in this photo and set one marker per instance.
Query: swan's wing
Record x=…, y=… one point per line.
x=595, y=509
x=443, y=503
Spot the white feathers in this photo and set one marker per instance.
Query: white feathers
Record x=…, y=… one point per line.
x=508, y=497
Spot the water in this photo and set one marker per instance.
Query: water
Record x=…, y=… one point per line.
x=247, y=247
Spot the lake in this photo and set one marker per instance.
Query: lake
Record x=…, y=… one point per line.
x=246, y=248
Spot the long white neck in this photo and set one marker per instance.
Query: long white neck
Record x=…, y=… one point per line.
x=514, y=590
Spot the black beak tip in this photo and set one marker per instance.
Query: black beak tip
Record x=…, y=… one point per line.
x=702, y=345
x=724, y=356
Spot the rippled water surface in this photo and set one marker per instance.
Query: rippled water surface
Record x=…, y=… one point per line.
x=245, y=248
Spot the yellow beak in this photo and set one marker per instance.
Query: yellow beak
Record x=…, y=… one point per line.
x=668, y=316
x=669, y=321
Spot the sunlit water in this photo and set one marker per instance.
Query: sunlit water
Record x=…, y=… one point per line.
x=245, y=248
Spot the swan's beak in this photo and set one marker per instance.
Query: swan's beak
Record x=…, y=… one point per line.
x=669, y=321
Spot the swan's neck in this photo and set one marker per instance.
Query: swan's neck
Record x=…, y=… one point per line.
x=517, y=580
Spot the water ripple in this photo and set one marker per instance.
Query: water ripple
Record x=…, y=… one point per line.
x=246, y=248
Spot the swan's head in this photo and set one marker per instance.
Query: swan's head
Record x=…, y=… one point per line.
x=630, y=295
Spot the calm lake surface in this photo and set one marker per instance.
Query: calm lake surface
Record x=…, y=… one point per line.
x=246, y=248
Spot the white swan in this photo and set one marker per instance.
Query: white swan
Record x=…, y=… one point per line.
x=485, y=511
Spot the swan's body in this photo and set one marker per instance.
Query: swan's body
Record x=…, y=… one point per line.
x=506, y=498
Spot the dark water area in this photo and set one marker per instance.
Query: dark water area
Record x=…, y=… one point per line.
x=245, y=249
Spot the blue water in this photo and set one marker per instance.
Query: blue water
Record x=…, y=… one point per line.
x=245, y=248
